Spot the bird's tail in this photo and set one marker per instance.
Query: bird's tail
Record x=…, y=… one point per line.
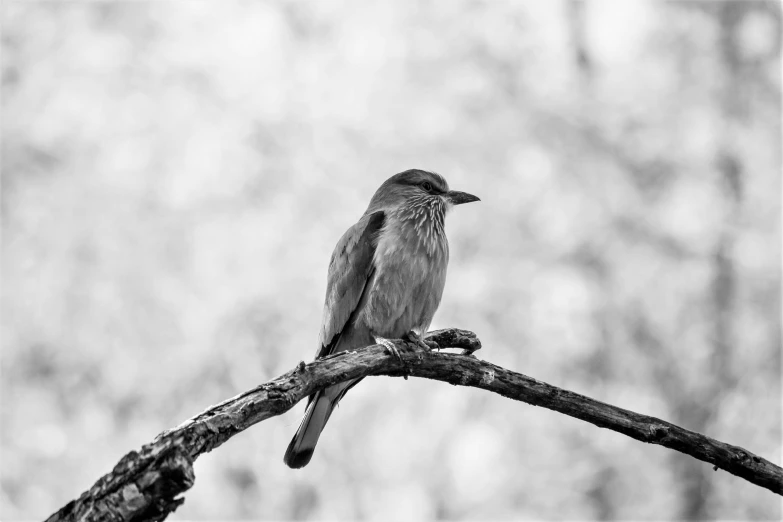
x=301, y=448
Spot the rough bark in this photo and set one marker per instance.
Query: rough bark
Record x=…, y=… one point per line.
x=146, y=485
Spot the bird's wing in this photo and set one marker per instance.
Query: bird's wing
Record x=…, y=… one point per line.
x=350, y=270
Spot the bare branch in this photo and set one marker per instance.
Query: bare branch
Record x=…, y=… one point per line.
x=145, y=485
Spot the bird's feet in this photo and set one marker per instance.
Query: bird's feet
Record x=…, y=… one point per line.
x=418, y=341
x=390, y=347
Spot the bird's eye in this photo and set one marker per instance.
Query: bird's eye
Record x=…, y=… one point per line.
x=427, y=186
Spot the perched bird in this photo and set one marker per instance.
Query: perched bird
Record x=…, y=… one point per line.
x=385, y=281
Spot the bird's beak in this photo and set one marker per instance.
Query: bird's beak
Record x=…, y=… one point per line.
x=456, y=197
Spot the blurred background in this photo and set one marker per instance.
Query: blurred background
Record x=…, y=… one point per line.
x=176, y=174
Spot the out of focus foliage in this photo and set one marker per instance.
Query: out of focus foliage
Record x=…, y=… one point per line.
x=175, y=175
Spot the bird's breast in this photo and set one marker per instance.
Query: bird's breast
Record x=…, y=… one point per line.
x=410, y=273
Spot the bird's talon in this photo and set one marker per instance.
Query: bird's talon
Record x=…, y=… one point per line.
x=418, y=343
x=391, y=348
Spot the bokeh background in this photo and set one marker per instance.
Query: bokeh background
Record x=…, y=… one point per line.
x=176, y=174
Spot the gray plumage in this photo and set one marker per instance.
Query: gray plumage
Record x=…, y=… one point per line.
x=385, y=280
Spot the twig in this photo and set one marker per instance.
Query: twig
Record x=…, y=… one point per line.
x=145, y=485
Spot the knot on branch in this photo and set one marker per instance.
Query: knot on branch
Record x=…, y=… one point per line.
x=740, y=456
x=658, y=433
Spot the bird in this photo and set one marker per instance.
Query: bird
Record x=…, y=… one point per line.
x=385, y=281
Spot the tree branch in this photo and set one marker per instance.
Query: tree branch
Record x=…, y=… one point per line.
x=145, y=485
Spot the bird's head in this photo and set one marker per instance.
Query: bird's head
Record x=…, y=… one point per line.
x=417, y=189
